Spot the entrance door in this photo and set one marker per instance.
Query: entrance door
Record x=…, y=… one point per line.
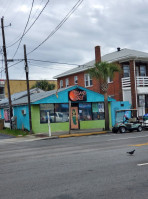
x=74, y=118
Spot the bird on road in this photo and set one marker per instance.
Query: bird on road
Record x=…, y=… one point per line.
x=131, y=152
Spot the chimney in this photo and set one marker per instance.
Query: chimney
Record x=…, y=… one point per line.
x=97, y=54
x=118, y=49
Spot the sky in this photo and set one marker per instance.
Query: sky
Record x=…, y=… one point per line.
x=107, y=23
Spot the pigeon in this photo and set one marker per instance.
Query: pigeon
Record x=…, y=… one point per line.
x=131, y=152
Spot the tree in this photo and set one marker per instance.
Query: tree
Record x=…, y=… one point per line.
x=101, y=72
x=44, y=85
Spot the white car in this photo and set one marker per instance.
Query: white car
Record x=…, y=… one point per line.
x=57, y=115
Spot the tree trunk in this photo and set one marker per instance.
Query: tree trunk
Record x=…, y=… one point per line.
x=106, y=111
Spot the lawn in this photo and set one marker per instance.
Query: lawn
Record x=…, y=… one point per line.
x=14, y=132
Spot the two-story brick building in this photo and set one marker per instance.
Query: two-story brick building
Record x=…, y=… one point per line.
x=130, y=85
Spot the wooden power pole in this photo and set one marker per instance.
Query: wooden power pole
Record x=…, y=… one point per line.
x=28, y=91
x=6, y=71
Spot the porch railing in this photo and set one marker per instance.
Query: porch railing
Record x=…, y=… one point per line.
x=126, y=82
x=141, y=81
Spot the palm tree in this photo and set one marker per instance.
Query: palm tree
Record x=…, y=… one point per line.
x=102, y=71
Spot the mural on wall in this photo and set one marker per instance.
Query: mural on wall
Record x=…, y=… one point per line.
x=74, y=118
x=7, y=115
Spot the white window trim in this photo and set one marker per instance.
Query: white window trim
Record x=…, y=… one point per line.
x=109, y=81
x=61, y=83
x=88, y=76
x=67, y=82
x=75, y=79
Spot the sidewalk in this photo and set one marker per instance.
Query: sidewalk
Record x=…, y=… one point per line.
x=43, y=136
x=77, y=133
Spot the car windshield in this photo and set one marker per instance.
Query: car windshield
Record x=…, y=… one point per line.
x=122, y=115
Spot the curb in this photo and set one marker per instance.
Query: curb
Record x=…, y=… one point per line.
x=82, y=134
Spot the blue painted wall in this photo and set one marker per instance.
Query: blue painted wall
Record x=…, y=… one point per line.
x=118, y=106
x=63, y=97
x=2, y=113
x=22, y=119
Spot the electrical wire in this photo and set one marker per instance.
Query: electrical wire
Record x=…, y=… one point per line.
x=53, y=62
x=24, y=28
x=53, y=68
x=33, y=16
x=59, y=25
x=30, y=25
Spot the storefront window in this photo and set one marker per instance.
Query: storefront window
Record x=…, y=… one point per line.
x=85, y=112
x=98, y=111
x=44, y=108
x=61, y=113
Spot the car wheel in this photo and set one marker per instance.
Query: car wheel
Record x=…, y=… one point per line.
x=139, y=129
x=122, y=129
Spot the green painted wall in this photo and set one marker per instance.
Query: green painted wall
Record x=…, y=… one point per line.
x=43, y=128
x=92, y=124
x=57, y=127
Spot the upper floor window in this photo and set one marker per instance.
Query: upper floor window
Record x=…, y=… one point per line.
x=142, y=71
x=88, y=80
x=109, y=79
x=61, y=83
x=75, y=79
x=67, y=82
x=126, y=71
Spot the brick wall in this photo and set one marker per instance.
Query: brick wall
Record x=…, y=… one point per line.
x=114, y=88
x=81, y=82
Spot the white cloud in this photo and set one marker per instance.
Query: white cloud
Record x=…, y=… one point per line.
x=109, y=23
x=23, y=8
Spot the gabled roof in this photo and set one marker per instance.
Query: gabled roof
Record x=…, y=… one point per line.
x=19, y=95
x=51, y=97
x=38, y=96
x=123, y=54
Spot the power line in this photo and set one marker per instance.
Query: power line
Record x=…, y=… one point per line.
x=24, y=28
x=53, y=68
x=30, y=25
x=53, y=62
x=59, y=25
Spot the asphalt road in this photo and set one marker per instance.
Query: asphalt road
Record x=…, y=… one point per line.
x=91, y=167
x=3, y=136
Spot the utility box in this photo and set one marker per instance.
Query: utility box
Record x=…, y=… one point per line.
x=1, y=124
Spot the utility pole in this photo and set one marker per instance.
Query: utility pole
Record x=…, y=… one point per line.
x=28, y=92
x=6, y=71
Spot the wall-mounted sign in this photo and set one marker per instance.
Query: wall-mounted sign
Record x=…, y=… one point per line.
x=77, y=95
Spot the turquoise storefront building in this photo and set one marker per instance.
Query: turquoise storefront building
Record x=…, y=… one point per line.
x=87, y=110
